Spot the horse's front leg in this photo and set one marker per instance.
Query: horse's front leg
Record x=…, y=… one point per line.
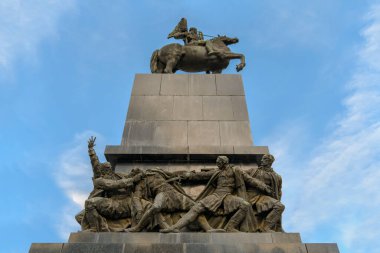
x=241, y=65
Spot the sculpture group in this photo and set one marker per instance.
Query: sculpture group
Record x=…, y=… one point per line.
x=233, y=200
x=197, y=54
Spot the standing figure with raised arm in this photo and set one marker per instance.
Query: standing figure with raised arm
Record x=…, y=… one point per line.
x=225, y=191
x=111, y=196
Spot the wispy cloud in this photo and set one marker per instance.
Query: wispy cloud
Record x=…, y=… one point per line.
x=73, y=176
x=24, y=24
x=338, y=189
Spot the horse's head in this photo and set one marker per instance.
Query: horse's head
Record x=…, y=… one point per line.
x=228, y=40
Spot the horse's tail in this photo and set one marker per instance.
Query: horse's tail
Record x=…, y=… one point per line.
x=154, y=62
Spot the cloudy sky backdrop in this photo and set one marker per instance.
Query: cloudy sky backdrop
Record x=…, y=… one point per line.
x=312, y=84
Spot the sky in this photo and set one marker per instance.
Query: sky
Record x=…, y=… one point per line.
x=312, y=84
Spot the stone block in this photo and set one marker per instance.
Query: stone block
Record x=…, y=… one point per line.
x=165, y=149
x=227, y=238
x=83, y=237
x=217, y=108
x=139, y=133
x=146, y=84
x=281, y=248
x=170, y=133
x=150, y=108
x=247, y=150
x=46, y=248
x=92, y=248
x=322, y=248
x=202, y=85
x=156, y=134
x=235, y=133
x=167, y=248
x=203, y=133
x=286, y=238
x=194, y=237
x=229, y=84
x=239, y=108
x=169, y=237
x=112, y=237
x=137, y=248
x=187, y=108
x=202, y=248
x=174, y=84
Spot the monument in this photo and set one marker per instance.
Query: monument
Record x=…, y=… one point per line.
x=187, y=176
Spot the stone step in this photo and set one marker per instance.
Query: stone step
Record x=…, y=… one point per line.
x=223, y=238
x=237, y=247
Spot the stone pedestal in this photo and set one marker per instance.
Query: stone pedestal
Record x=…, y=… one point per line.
x=83, y=242
x=183, y=122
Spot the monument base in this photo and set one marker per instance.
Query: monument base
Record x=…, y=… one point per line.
x=85, y=242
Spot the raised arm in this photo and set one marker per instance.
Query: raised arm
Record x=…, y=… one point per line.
x=93, y=157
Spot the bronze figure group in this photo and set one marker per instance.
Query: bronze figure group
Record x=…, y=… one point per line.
x=233, y=200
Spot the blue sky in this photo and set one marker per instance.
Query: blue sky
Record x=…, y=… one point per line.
x=312, y=83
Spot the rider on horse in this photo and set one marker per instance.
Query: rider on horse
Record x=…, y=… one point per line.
x=192, y=37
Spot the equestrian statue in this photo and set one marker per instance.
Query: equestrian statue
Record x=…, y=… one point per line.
x=197, y=55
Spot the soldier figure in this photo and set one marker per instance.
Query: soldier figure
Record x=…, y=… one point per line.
x=168, y=197
x=111, y=197
x=267, y=207
x=193, y=37
x=227, y=181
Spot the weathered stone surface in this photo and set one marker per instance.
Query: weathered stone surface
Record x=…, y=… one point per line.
x=202, y=85
x=129, y=238
x=167, y=248
x=235, y=133
x=169, y=237
x=46, y=248
x=156, y=133
x=239, y=108
x=151, y=108
x=93, y=248
x=83, y=237
x=146, y=84
x=286, y=237
x=170, y=133
x=138, y=248
x=203, y=133
x=175, y=85
x=229, y=84
x=322, y=248
x=245, y=150
x=282, y=248
x=194, y=237
x=187, y=108
x=217, y=108
x=202, y=248
x=226, y=238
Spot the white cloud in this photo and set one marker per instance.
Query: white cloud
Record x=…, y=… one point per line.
x=24, y=24
x=338, y=191
x=73, y=176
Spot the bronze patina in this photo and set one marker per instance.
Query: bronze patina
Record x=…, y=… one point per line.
x=197, y=54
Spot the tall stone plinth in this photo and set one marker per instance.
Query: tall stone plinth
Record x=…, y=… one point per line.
x=183, y=122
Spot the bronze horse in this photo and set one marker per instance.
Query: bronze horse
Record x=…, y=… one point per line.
x=194, y=58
